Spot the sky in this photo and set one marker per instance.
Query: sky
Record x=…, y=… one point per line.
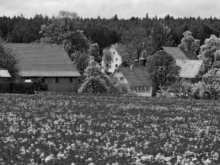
x=108, y=8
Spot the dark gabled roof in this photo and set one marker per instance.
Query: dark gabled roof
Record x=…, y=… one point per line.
x=137, y=76
x=177, y=53
x=121, y=49
x=44, y=60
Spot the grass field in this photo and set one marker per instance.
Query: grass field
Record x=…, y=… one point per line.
x=64, y=129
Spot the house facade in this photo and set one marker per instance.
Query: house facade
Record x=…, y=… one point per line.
x=117, y=52
x=4, y=76
x=47, y=64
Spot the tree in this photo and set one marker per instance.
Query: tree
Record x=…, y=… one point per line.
x=209, y=49
x=76, y=41
x=134, y=38
x=82, y=60
x=106, y=60
x=8, y=60
x=160, y=35
x=189, y=43
x=162, y=69
x=95, y=52
x=95, y=81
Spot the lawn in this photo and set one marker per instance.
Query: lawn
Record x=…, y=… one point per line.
x=63, y=129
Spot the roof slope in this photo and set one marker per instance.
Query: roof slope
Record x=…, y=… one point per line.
x=121, y=49
x=137, y=76
x=4, y=73
x=189, y=68
x=177, y=53
x=43, y=60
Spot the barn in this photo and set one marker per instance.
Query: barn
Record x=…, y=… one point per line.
x=190, y=65
x=48, y=64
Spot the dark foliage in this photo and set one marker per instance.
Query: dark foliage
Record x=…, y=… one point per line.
x=107, y=31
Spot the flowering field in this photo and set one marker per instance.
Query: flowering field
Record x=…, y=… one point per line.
x=105, y=130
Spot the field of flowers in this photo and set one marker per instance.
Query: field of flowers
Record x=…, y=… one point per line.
x=63, y=129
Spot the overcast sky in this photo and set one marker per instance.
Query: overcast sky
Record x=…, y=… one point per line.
x=108, y=8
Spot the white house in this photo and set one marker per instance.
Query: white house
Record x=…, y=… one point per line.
x=117, y=52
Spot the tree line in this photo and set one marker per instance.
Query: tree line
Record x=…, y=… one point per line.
x=107, y=31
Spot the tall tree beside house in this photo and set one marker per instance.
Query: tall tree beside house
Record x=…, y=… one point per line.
x=162, y=69
x=106, y=60
x=95, y=81
x=209, y=49
x=160, y=35
x=75, y=41
x=82, y=60
x=135, y=38
x=8, y=60
x=189, y=43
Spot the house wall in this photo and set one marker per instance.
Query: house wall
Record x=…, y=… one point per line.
x=142, y=91
x=4, y=80
x=63, y=83
x=116, y=61
x=120, y=77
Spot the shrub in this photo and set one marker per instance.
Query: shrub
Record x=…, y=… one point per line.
x=38, y=86
x=22, y=88
x=202, y=90
x=181, y=88
x=4, y=88
x=93, y=85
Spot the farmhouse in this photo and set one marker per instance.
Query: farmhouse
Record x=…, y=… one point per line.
x=118, y=51
x=136, y=77
x=187, y=61
x=48, y=64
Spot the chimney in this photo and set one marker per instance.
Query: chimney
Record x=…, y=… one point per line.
x=142, y=61
x=131, y=67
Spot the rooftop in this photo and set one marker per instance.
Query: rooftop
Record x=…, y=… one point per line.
x=4, y=73
x=137, y=76
x=177, y=53
x=46, y=60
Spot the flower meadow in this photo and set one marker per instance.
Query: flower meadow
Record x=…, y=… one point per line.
x=65, y=129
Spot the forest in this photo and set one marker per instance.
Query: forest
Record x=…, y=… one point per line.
x=108, y=31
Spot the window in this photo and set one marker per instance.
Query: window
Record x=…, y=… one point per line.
x=122, y=78
x=57, y=80
x=43, y=80
x=116, y=59
x=116, y=65
x=71, y=80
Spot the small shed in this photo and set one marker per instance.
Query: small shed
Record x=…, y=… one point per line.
x=4, y=76
x=4, y=80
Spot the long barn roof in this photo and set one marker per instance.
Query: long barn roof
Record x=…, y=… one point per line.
x=43, y=60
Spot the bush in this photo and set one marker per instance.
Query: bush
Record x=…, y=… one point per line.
x=22, y=88
x=202, y=90
x=38, y=86
x=93, y=85
x=4, y=88
x=181, y=88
